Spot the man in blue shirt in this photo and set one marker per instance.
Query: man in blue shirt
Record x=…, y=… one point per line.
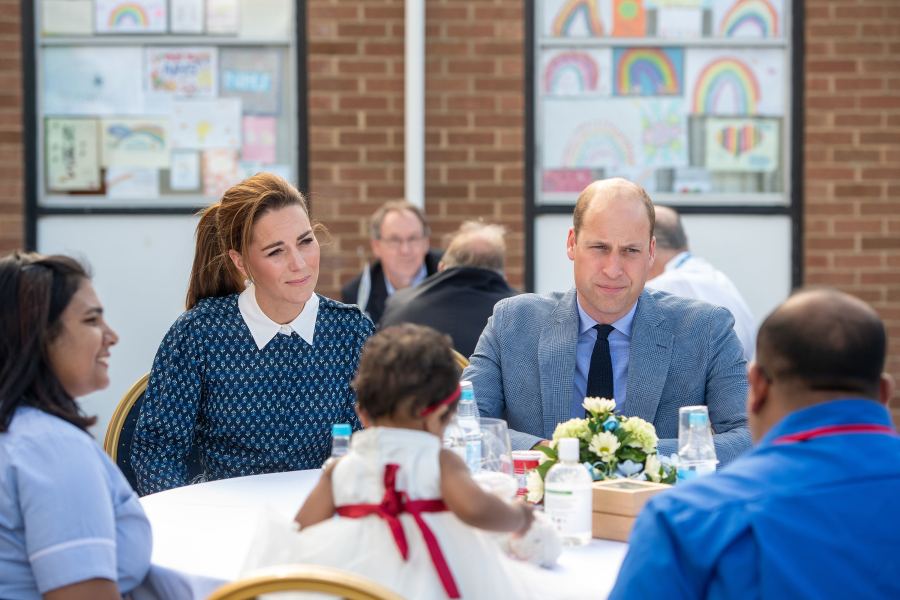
x=810, y=511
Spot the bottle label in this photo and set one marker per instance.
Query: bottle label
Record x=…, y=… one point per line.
x=568, y=509
x=687, y=472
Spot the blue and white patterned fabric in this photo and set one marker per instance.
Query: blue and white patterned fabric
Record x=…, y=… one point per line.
x=66, y=512
x=247, y=411
x=683, y=352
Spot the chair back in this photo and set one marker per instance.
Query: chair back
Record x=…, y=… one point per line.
x=120, y=431
x=461, y=360
x=305, y=578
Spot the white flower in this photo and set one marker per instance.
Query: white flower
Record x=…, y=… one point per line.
x=652, y=468
x=573, y=428
x=598, y=406
x=604, y=445
x=642, y=434
x=535, y=486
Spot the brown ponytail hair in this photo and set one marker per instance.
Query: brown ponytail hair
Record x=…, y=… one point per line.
x=228, y=225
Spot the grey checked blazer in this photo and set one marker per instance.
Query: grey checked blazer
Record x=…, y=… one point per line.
x=683, y=352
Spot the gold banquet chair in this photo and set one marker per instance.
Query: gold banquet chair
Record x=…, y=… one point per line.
x=304, y=578
x=120, y=431
x=461, y=360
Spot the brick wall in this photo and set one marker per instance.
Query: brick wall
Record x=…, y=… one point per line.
x=12, y=205
x=474, y=120
x=852, y=171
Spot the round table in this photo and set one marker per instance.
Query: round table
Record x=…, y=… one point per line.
x=206, y=529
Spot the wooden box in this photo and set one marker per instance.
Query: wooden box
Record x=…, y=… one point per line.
x=617, y=502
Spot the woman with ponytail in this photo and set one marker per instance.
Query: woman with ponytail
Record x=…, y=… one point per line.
x=257, y=370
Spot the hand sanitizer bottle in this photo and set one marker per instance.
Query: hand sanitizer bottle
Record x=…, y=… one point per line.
x=568, y=495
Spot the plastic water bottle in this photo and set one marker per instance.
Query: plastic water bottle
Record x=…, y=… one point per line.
x=568, y=499
x=340, y=440
x=696, y=450
x=467, y=416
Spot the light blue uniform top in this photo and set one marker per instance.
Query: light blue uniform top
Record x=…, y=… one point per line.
x=66, y=512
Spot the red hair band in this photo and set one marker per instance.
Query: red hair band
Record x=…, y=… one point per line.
x=445, y=402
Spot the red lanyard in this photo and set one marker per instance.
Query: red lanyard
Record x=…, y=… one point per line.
x=802, y=436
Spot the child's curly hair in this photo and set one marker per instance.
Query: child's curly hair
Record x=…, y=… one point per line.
x=404, y=369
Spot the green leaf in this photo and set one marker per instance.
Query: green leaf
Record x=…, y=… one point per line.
x=543, y=468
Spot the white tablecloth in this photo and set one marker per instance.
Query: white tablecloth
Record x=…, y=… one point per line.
x=206, y=529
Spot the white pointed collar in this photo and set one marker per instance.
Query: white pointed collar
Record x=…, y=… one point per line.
x=263, y=329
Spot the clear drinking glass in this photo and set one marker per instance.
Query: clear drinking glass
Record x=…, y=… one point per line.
x=496, y=467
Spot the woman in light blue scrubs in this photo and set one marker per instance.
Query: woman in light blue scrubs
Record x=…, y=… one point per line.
x=70, y=525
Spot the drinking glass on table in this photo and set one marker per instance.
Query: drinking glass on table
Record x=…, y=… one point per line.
x=496, y=467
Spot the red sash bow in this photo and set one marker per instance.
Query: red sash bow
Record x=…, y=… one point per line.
x=392, y=505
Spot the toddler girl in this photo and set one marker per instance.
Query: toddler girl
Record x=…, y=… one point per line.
x=408, y=512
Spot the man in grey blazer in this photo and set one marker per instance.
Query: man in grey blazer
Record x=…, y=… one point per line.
x=531, y=365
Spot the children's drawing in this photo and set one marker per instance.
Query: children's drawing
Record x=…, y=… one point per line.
x=736, y=83
x=259, y=139
x=629, y=18
x=254, y=76
x=134, y=16
x=72, y=155
x=573, y=18
x=740, y=145
x=132, y=183
x=220, y=171
x=181, y=72
x=186, y=16
x=207, y=123
x=648, y=71
x=568, y=180
x=222, y=16
x=91, y=81
x=663, y=133
x=748, y=18
x=576, y=72
x=184, y=171
x=129, y=142
x=596, y=133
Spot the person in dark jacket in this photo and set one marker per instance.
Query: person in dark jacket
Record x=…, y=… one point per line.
x=459, y=298
x=399, y=238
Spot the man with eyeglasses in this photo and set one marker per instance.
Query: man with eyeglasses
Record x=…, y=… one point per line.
x=399, y=239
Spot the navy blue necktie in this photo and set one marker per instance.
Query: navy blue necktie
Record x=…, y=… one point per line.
x=600, y=375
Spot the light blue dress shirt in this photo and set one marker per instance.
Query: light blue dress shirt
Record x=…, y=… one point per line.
x=67, y=514
x=619, y=348
x=419, y=278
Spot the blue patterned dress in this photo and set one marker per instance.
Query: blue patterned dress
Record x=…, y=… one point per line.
x=246, y=411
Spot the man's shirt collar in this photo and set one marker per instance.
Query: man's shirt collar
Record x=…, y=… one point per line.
x=422, y=274
x=623, y=325
x=586, y=322
x=263, y=329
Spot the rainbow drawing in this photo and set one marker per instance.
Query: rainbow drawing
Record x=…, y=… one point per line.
x=739, y=139
x=128, y=14
x=142, y=136
x=648, y=71
x=722, y=78
x=748, y=16
x=598, y=144
x=571, y=12
x=571, y=72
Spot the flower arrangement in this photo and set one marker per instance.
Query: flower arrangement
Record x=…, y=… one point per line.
x=611, y=446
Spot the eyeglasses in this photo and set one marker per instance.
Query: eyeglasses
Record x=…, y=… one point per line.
x=395, y=243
